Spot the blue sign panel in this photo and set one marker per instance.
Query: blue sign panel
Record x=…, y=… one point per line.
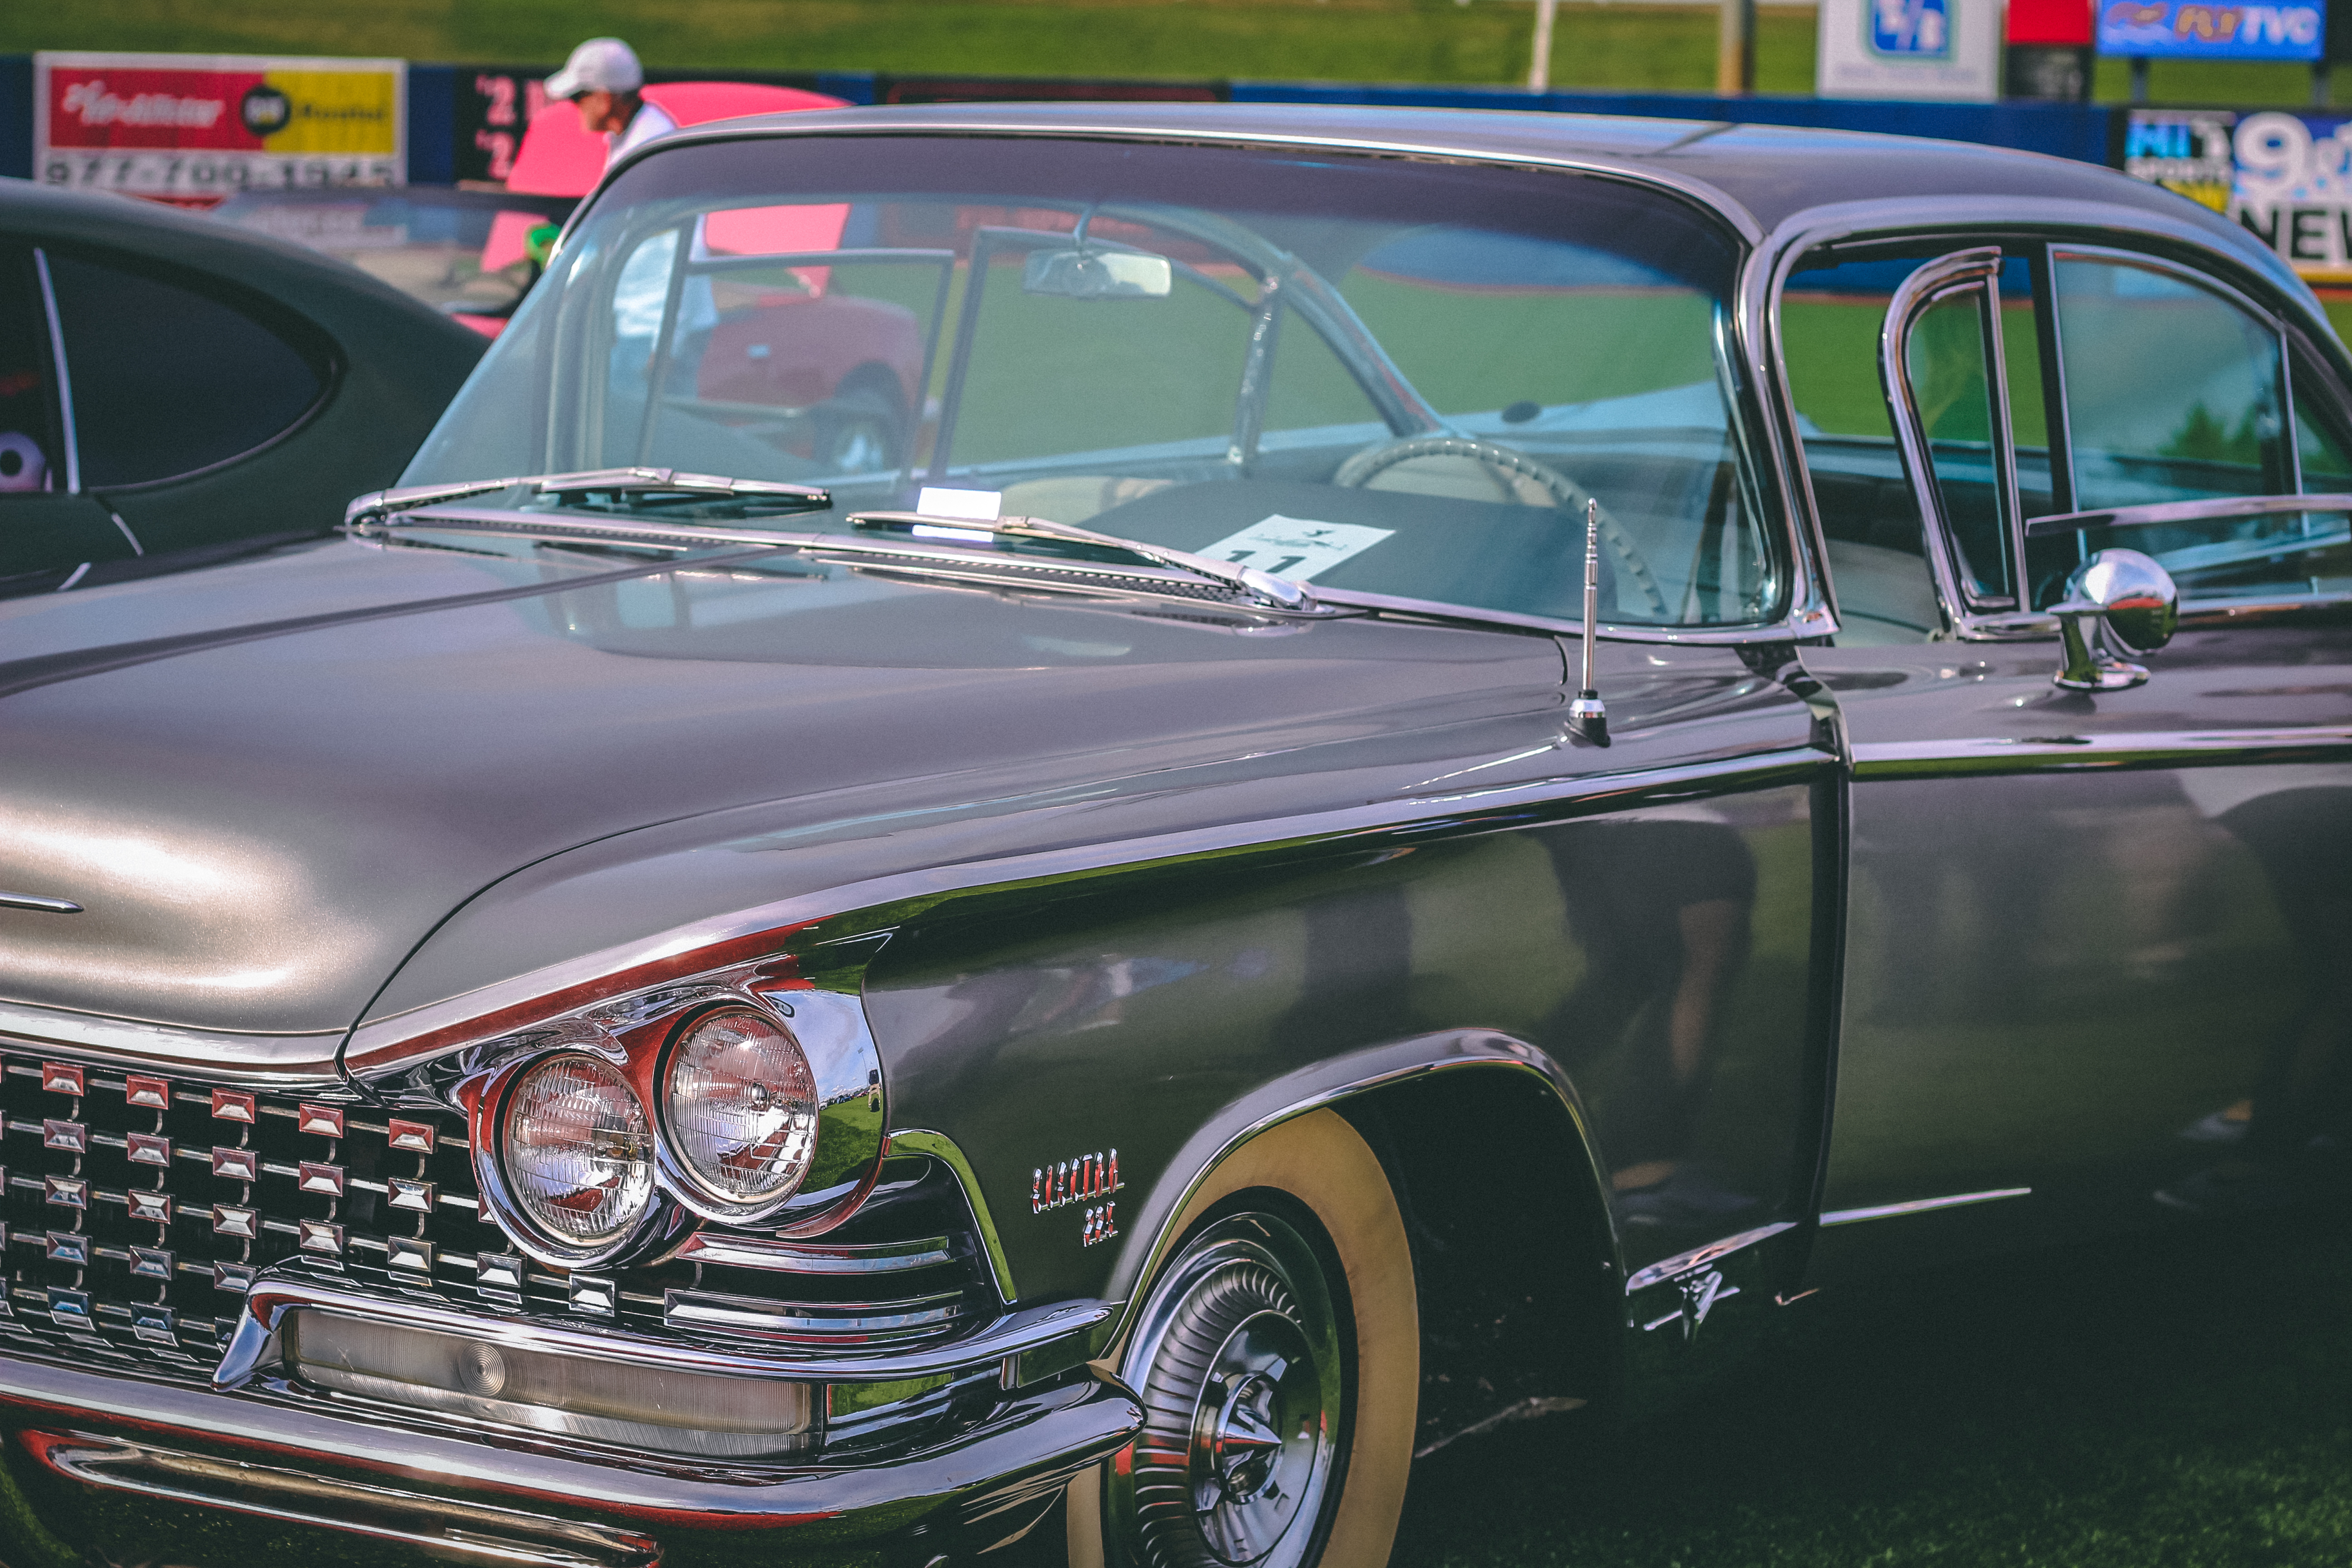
x=2191, y=29
x=1911, y=30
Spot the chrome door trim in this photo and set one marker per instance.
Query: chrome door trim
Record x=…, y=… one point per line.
x=285, y=1064
x=382, y=1046
x=1922, y=1205
x=2156, y=513
x=2130, y=749
x=66, y=435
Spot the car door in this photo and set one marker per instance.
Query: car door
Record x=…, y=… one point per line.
x=47, y=525
x=2093, y=938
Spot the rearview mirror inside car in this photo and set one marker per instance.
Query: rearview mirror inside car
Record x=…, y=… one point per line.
x=1086, y=273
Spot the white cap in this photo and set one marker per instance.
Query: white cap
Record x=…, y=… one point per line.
x=605, y=64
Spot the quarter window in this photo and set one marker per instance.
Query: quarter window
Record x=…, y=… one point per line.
x=32, y=454
x=167, y=381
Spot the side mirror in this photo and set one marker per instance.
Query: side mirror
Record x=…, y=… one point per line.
x=2119, y=602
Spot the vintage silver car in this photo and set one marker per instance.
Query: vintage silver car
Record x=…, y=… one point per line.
x=1441, y=761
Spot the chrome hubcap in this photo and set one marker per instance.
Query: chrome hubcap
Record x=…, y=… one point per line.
x=1258, y=1435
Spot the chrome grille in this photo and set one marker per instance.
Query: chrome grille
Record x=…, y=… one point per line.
x=139, y=1210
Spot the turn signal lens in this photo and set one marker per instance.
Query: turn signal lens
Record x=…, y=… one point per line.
x=739, y=1104
x=577, y=1151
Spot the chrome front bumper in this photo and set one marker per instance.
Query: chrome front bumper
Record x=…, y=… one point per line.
x=300, y=1471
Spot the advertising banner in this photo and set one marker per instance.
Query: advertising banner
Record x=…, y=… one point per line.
x=198, y=127
x=2282, y=177
x=2189, y=31
x=1909, y=48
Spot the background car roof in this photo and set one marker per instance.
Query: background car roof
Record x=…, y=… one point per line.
x=334, y=295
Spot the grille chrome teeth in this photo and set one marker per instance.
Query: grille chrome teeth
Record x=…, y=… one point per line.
x=71, y=1136
x=150, y=1263
x=326, y=1120
x=416, y=1196
x=320, y=1177
x=317, y=1235
x=237, y=1277
x=69, y=1309
x=68, y=1247
x=233, y=1105
x=235, y=1220
x=412, y=1137
x=236, y=1165
x=65, y=1192
x=149, y=1149
x=147, y=1093
x=61, y=1077
x=408, y=1252
x=153, y=1207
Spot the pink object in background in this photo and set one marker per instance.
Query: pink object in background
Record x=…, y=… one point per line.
x=559, y=159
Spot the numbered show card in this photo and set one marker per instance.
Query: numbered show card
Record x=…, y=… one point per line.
x=1294, y=547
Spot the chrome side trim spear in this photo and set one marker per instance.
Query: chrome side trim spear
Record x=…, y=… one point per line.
x=1588, y=715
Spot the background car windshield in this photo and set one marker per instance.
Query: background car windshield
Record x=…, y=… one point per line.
x=1394, y=378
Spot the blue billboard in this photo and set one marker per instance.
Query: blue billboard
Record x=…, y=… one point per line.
x=2191, y=29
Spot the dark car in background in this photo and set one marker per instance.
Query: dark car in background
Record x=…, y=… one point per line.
x=168, y=383
x=1448, y=760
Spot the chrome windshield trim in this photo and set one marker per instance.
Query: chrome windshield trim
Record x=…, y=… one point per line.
x=1923, y=1205
x=2159, y=512
x=2150, y=748
x=1666, y=1269
x=255, y=1344
x=278, y=1063
x=389, y=1044
x=66, y=435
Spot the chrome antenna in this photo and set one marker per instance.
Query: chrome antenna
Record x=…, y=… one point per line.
x=1588, y=715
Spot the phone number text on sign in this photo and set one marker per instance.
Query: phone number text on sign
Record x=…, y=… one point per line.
x=210, y=174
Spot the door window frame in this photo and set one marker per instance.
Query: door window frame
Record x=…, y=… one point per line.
x=1946, y=227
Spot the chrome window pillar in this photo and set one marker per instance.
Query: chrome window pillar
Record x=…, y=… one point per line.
x=67, y=436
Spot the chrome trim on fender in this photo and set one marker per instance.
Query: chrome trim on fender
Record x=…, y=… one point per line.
x=388, y=1045
x=809, y=1257
x=1658, y=1273
x=39, y=905
x=255, y=1343
x=282, y=1064
x=2152, y=748
x=1922, y=1205
x=944, y=1149
x=444, y=1527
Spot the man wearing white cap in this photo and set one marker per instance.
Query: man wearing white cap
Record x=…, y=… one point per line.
x=602, y=77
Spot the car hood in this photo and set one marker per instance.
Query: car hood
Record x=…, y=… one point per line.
x=267, y=784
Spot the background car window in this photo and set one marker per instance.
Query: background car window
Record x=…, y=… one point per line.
x=167, y=380
x=2172, y=392
x=30, y=451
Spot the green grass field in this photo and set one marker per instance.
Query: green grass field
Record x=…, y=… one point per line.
x=1599, y=44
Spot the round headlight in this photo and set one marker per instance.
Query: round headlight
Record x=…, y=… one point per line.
x=739, y=1104
x=577, y=1151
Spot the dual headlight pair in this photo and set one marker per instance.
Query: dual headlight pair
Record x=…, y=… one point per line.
x=584, y=1139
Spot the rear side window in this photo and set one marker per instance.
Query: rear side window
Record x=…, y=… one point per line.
x=167, y=381
x=31, y=454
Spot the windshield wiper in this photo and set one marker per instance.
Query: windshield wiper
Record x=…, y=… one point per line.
x=1262, y=587
x=757, y=495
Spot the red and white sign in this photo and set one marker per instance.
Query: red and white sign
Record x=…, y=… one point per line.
x=199, y=126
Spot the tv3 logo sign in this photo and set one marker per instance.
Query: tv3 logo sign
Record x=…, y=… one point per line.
x=1913, y=29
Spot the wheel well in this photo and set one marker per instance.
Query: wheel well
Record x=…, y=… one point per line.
x=1516, y=1273
x=878, y=377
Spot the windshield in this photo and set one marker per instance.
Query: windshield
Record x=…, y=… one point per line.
x=1402, y=379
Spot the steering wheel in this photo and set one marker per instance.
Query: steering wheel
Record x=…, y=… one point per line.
x=1372, y=461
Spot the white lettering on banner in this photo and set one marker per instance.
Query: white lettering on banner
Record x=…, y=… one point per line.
x=97, y=106
x=1294, y=547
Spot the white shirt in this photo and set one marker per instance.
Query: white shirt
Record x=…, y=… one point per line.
x=649, y=122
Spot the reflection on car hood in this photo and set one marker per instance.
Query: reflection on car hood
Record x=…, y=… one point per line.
x=267, y=784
